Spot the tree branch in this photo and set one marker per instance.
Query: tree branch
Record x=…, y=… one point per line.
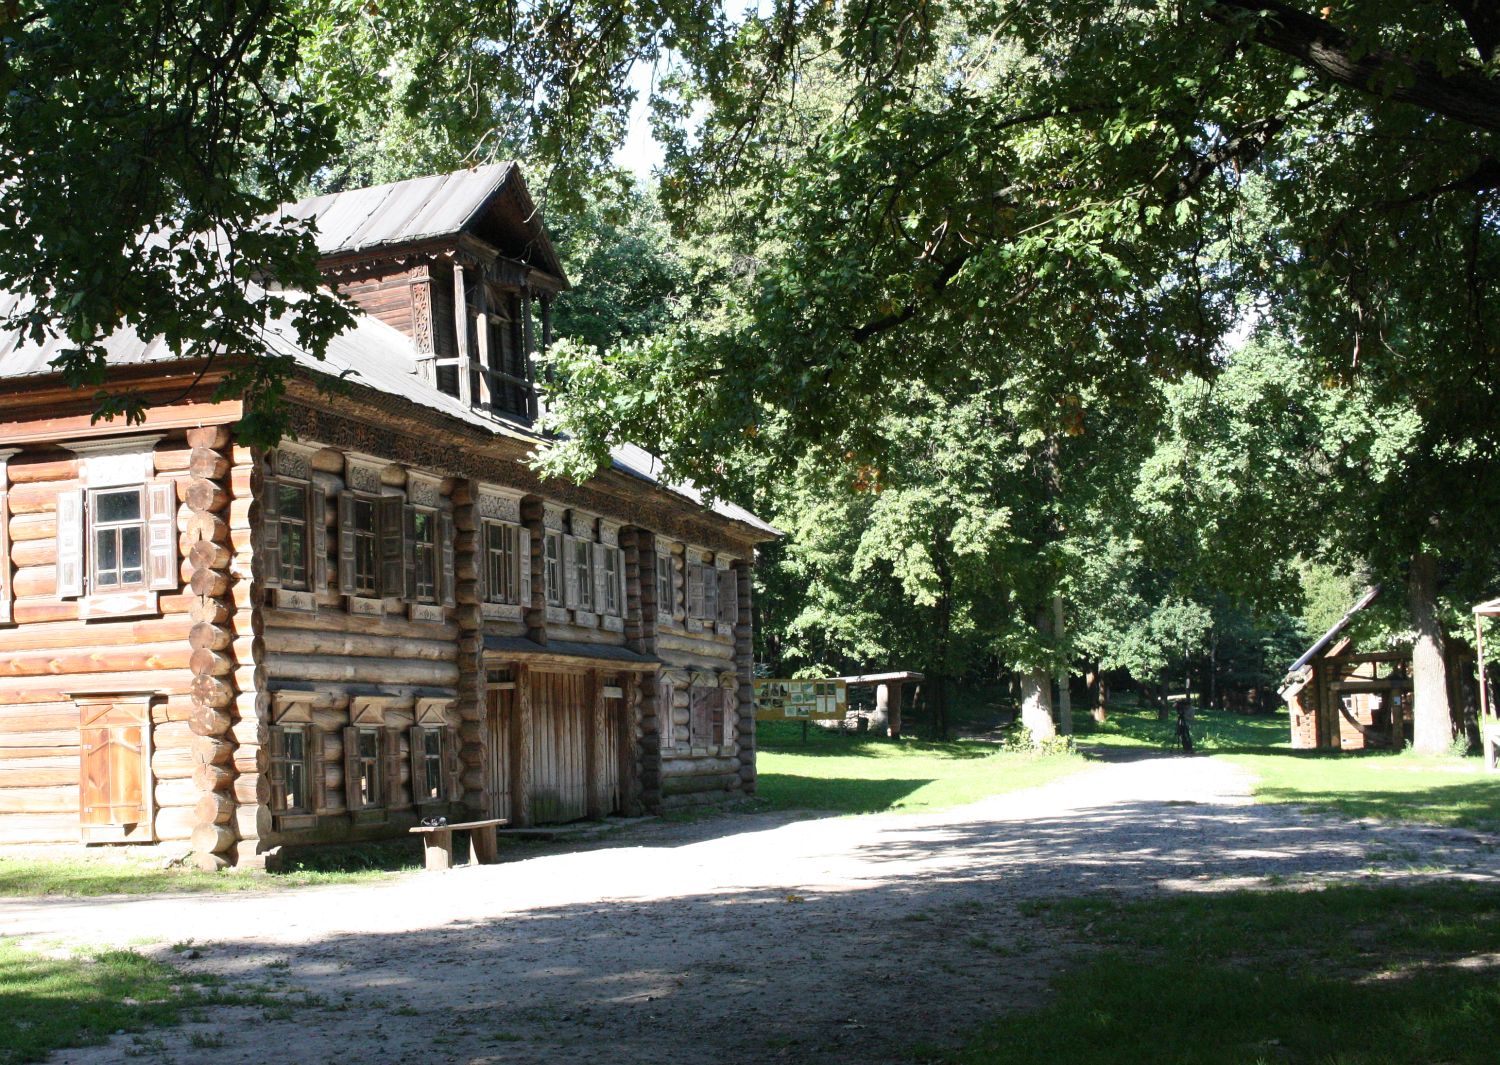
x=1467, y=96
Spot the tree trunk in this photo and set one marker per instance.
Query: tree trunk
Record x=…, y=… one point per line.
x=1036, y=705
x=1101, y=694
x=1432, y=715
x=1064, y=695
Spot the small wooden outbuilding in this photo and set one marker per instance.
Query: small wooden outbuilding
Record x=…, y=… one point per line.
x=1343, y=698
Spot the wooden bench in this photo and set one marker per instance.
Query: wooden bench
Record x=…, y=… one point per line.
x=437, y=841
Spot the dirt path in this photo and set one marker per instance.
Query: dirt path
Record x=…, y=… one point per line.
x=742, y=939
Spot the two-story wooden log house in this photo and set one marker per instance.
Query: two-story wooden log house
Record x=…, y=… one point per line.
x=385, y=618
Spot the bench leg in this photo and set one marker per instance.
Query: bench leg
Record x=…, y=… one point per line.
x=482, y=840
x=438, y=850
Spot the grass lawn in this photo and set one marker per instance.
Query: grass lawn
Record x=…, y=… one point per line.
x=47, y=1003
x=862, y=774
x=1213, y=730
x=119, y=872
x=1341, y=976
x=1397, y=787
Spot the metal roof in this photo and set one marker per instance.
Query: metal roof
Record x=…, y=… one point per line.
x=401, y=212
x=372, y=354
x=1332, y=634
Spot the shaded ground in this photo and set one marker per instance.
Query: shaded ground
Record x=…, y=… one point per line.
x=755, y=938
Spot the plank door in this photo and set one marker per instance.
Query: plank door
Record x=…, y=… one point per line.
x=561, y=715
x=497, y=771
x=609, y=756
x=114, y=779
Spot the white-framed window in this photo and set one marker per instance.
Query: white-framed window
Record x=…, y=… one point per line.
x=502, y=562
x=581, y=563
x=553, y=558
x=117, y=539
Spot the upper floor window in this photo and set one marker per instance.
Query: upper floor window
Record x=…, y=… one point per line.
x=665, y=588
x=502, y=562
x=553, y=549
x=360, y=531
x=117, y=521
x=614, y=572
x=581, y=575
x=422, y=526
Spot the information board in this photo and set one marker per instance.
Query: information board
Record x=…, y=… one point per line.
x=799, y=700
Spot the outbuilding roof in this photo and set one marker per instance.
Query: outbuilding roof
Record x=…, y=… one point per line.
x=1332, y=634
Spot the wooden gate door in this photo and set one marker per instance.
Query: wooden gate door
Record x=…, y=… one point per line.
x=501, y=716
x=561, y=715
x=114, y=779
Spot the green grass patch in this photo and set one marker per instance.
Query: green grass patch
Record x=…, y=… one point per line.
x=48, y=1003
x=1395, y=787
x=118, y=872
x=1129, y=725
x=860, y=774
x=1341, y=976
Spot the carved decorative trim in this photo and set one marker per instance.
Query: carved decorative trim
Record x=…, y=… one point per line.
x=433, y=710
x=423, y=489
x=294, y=460
x=609, y=532
x=369, y=709
x=363, y=475
x=553, y=515
x=292, y=708
x=582, y=524
x=499, y=504
x=105, y=463
x=421, y=312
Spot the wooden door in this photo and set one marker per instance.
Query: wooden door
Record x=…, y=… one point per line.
x=114, y=777
x=498, y=777
x=561, y=716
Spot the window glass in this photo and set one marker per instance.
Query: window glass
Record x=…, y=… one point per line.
x=294, y=771
x=366, y=549
x=432, y=764
x=424, y=529
x=291, y=508
x=502, y=556
x=119, y=536
x=554, y=569
x=612, y=581
x=369, y=767
x=583, y=559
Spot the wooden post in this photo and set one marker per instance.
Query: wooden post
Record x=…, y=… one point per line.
x=598, y=749
x=437, y=849
x=1489, y=728
x=482, y=839
x=630, y=785
x=520, y=762
x=461, y=321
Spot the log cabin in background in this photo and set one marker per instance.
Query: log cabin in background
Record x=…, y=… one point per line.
x=386, y=618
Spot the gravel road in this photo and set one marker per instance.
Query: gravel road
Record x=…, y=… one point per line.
x=744, y=938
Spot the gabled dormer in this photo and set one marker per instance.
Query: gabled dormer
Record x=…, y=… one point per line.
x=458, y=262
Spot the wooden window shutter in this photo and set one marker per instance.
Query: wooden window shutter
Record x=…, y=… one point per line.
x=351, y=769
x=415, y=751
x=600, y=599
x=270, y=534
x=729, y=597
x=698, y=715
x=672, y=589
x=393, y=565
x=161, y=536
x=445, y=535
x=482, y=561
x=346, y=543
x=317, y=504
x=70, y=543
x=453, y=784
x=317, y=782
x=570, y=572
x=409, y=552
x=710, y=592
x=276, y=775
x=5, y=571
x=715, y=700
x=666, y=729
x=391, y=765
x=113, y=780
x=523, y=556
x=694, y=590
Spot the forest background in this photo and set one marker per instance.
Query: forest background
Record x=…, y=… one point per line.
x=1126, y=337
